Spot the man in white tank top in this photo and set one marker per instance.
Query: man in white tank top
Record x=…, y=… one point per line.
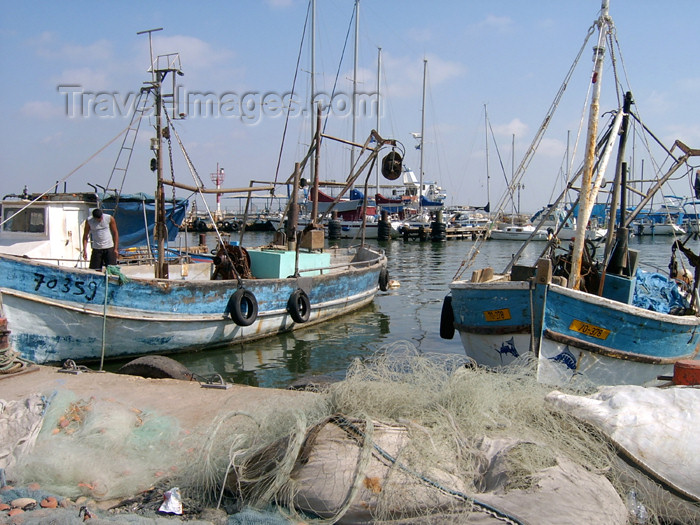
x=104, y=236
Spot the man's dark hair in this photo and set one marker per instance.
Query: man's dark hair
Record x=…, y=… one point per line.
x=97, y=213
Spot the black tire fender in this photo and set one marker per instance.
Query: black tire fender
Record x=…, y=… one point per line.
x=383, y=279
x=447, y=319
x=243, y=307
x=156, y=367
x=299, y=306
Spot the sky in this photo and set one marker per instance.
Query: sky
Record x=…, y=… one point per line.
x=71, y=72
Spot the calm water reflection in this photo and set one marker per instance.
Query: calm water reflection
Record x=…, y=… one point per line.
x=408, y=313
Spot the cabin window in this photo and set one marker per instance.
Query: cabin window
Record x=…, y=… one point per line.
x=26, y=221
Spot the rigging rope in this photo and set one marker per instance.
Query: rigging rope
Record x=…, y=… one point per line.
x=195, y=177
x=72, y=172
x=294, y=83
x=337, y=73
x=524, y=163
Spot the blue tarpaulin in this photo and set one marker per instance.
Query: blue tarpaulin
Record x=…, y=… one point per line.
x=136, y=215
x=656, y=292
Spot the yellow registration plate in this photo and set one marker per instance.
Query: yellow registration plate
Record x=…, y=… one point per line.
x=497, y=315
x=589, y=329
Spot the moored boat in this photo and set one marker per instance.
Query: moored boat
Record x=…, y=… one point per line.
x=56, y=313
x=56, y=310
x=578, y=316
x=519, y=233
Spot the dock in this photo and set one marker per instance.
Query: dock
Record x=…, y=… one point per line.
x=424, y=233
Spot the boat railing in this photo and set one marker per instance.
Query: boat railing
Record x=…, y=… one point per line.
x=58, y=261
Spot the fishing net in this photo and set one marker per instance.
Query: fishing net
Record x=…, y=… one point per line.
x=100, y=449
x=411, y=437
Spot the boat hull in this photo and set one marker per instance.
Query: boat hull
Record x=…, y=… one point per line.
x=569, y=333
x=492, y=320
x=518, y=234
x=609, y=342
x=55, y=314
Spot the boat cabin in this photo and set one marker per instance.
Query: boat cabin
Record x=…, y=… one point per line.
x=49, y=229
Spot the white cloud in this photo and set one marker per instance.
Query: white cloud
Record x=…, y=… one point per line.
x=553, y=148
x=689, y=134
x=54, y=138
x=280, y=4
x=48, y=45
x=405, y=75
x=514, y=127
x=501, y=24
x=88, y=78
x=440, y=71
x=196, y=53
x=41, y=110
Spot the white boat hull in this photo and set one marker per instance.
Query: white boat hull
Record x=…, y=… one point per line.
x=55, y=314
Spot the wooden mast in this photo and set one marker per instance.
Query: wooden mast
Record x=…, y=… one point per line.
x=587, y=196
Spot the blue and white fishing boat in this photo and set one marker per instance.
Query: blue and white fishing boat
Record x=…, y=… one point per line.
x=574, y=315
x=56, y=313
x=57, y=310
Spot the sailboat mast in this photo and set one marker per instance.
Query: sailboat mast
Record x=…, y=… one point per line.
x=312, y=89
x=586, y=196
x=354, y=84
x=379, y=75
x=422, y=135
x=488, y=174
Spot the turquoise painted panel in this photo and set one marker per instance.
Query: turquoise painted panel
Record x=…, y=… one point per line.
x=276, y=264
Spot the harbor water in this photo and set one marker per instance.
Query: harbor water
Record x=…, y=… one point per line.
x=409, y=313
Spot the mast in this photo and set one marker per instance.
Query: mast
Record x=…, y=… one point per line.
x=612, y=220
x=587, y=195
x=422, y=134
x=488, y=174
x=161, y=270
x=379, y=73
x=317, y=158
x=512, y=173
x=354, y=84
x=170, y=64
x=312, y=92
x=160, y=232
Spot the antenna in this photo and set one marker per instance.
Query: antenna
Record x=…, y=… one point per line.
x=150, y=46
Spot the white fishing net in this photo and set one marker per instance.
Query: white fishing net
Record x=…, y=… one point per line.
x=100, y=449
x=410, y=437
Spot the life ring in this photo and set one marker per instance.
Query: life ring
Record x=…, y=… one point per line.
x=383, y=279
x=447, y=319
x=299, y=306
x=243, y=307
